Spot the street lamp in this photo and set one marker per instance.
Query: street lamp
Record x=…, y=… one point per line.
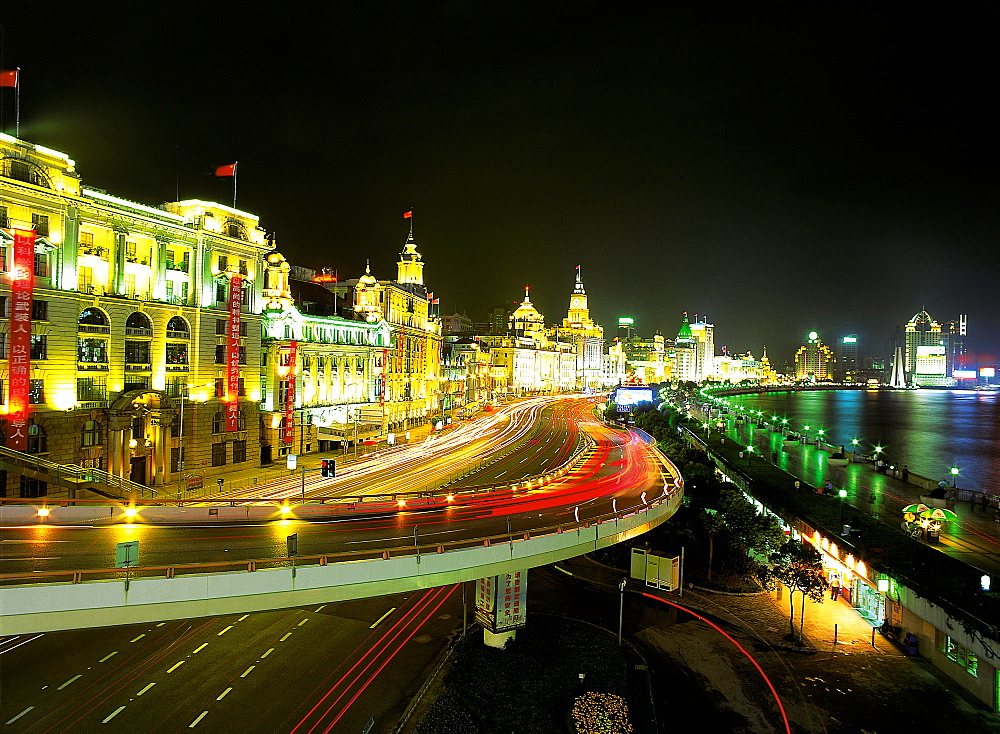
x=854, y=449
x=954, y=477
x=843, y=496
x=749, y=454
x=621, y=607
x=819, y=436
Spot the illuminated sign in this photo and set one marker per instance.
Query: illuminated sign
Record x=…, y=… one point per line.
x=964, y=374
x=22, y=285
x=850, y=340
x=633, y=395
x=626, y=321
x=233, y=354
x=930, y=351
x=987, y=372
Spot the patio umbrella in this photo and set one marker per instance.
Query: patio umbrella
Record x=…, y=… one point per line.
x=940, y=513
x=916, y=508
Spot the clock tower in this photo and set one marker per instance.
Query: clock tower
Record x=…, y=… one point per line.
x=578, y=315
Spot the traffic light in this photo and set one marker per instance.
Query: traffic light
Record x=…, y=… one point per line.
x=328, y=468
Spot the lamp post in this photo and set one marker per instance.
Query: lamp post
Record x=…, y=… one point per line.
x=819, y=437
x=843, y=496
x=621, y=607
x=854, y=449
x=749, y=454
x=954, y=477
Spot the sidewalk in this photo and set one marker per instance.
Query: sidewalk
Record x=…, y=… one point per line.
x=973, y=539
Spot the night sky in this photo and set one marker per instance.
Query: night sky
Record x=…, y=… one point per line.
x=823, y=166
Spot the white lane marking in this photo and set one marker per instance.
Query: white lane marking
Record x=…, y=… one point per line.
x=194, y=723
x=270, y=650
x=377, y=621
x=108, y=657
x=11, y=721
x=176, y=666
x=14, y=647
x=220, y=634
x=285, y=637
x=247, y=671
x=200, y=647
x=74, y=678
x=145, y=689
x=138, y=638
x=224, y=693
x=113, y=714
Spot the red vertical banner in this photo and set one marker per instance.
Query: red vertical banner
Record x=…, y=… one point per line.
x=385, y=377
x=293, y=353
x=233, y=353
x=22, y=286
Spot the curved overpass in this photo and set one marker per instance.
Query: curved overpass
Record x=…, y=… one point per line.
x=618, y=489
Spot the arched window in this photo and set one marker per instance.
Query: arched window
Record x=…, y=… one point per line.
x=218, y=422
x=91, y=434
x=93, y=317
x=177, y=328
x=241, y=421
x=138, y=320
x=37, y=441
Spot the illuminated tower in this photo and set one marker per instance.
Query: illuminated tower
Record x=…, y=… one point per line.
x=586, y=337
x=411, y=266
x=686, y=365
x=814, y=360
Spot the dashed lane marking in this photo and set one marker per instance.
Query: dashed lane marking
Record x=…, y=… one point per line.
x=113, y=714
x=220, y=634
x=175, y=666
x=11, y=721
x=270, y=650
x=247, y=671
x=285, y=637
x=379, y=620
x=194, y=723
x=74, y=678
x=200, y=647
x=138, y=638
x=108, y=657
x=145, y=689
x=224, y=694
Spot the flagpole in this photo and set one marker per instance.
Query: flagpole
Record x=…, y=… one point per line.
x=17, y=103
x=235, y=166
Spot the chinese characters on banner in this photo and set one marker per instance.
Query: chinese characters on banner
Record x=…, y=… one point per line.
x=501, y=601
x=22, y=286
x=385, y=369
x=290, y=396
x=233, y=353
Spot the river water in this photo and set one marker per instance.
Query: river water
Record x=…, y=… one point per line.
x=930, y=431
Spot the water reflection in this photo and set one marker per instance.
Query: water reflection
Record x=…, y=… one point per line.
x=930, y=431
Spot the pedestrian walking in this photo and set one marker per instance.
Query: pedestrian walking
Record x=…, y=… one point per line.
x=828, y=487
x=905, y=475
x=834, y=586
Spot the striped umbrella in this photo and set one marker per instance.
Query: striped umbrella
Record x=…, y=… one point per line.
x=940, y=513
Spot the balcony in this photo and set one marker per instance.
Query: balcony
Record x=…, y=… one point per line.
x=178, y=335
x=138, y=332
x=93, y=329
x=182, y=267
x=137, y=260
x=90, y=289
x=138, y=367
x=92, y=366
x=178, y=367
x=92, y=251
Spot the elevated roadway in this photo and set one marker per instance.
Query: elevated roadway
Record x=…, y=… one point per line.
x=61, y=577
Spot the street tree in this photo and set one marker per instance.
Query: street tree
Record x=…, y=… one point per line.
x=799, y=567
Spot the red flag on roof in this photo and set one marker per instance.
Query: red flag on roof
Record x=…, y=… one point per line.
x=8, y=77
x=407, y=215
x=229, y=170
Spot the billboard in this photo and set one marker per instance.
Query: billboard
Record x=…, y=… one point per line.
x=630, y=396
x=964, y=374
x=501, y=601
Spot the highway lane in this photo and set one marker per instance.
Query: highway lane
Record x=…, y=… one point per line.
x=295, y=670
x=617, y=474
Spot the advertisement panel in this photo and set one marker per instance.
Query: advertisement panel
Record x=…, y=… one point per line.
x=233, y=353
x=630, y=396
x=22, y=286
x=293, y=355
x=501, y=601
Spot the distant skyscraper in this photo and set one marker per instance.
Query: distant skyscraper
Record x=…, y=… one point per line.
x=814, y=360
x=932, y=351
x=686, y=365
x=704, y=339
x=847, y=357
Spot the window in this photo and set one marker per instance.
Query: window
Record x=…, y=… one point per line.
x=283, y=393
x=3, y=307
x=92, y=350
x=37, y=440
x=220, y=292
x=138, y=320
x=243, y=267
x=177, y=328
x=92, y=317
x=39, y=347
x=963, y=656
x=220, y=327
x=223, y=263
x=218, y=426
x=39, y=310
x=40, y=223
x=3, y=345
x=177, y=387
x=3, y=258
x=36, y=392
x=220, y=387
x=177, y=354
x=4, y=221
x=137, y=352
x=31, y=488
x=91, y=434
x=220, y=353
x=219, y=454
x=239, y=452
x=87, y=239
x=41, y=265
x=91, y=390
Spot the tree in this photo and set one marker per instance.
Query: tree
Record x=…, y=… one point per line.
x=799, y=567
x=714, y=523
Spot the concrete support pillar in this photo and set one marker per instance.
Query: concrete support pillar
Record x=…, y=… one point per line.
x=497, y=639
x=116, y=439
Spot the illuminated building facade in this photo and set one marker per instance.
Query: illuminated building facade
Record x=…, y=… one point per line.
x=144, y=326
x=322, y=373
x=586, y=337
x=704, y=341
x=687, y=356
x=814, y=361
x=412, y=382
x=933, y=351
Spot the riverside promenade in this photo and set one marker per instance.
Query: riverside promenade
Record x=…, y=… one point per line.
x=973, y=539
